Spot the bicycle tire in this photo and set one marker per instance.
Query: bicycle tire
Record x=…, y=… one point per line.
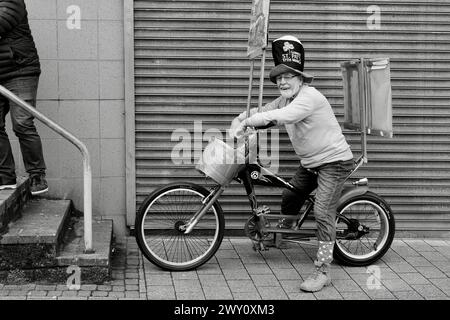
x=156, y=227
x=373, y=248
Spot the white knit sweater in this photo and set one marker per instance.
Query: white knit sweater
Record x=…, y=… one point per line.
x=311, y=124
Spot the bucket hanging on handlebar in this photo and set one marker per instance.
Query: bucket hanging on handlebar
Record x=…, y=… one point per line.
x=221, y=162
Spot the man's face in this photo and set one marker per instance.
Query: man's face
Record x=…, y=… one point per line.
x=289, y=84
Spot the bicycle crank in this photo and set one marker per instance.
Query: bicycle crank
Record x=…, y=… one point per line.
x=252, y=229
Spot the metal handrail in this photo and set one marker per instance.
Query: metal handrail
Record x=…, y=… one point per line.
x=87, y=173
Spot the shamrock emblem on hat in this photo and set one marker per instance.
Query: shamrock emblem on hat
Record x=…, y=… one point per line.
x=288, y=46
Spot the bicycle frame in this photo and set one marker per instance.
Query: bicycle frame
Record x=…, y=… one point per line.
x=255, y=174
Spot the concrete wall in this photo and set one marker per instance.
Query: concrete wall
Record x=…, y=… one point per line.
x=82, y=89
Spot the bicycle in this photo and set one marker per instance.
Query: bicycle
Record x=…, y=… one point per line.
x=180, y=226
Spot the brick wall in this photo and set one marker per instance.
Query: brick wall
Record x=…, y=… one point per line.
x=82, y=89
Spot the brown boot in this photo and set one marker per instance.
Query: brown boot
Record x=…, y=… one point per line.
x=319, y=279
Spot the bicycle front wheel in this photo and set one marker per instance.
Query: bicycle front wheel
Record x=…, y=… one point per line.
x=365, y=228
x=159, y=227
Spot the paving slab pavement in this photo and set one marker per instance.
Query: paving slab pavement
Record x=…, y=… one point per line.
x=413, y=269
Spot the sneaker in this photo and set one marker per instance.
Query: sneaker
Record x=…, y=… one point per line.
x=319, y=279
x=38, y=184
x=7, y=184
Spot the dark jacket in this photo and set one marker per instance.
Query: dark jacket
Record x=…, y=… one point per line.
x=18, y=54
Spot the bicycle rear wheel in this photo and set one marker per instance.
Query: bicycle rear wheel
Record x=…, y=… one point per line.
x=159, y=224
x=365, y=228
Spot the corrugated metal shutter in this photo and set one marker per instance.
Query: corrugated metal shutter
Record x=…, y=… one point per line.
x=190, y=65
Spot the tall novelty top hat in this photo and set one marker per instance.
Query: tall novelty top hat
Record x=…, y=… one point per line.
x=288, y=56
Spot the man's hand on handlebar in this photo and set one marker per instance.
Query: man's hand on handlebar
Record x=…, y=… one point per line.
x=239, y=129
x=235, y=128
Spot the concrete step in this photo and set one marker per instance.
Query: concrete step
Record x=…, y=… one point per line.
x=46, y=245
x=41, y=240
x=12, y=201
x=33, y=240
x=94, y=267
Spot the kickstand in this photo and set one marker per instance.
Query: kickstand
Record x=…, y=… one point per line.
x=278, y=237
x=259, y=246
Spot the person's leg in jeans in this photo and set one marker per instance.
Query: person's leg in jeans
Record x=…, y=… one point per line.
x=304, y=182
x=25, y=130
x=7, y=165
x=331, y=178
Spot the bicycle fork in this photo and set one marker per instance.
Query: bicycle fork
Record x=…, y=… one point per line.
x=207, y=204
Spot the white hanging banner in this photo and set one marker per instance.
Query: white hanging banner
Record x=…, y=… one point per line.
x=379, y=116
x=367, y=96
x=258, y=34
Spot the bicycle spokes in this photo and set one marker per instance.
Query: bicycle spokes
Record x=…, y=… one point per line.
x=164, y=228
x=361, y=229
x=354, y=229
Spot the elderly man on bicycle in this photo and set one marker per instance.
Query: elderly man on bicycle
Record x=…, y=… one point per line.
x=325, y=157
